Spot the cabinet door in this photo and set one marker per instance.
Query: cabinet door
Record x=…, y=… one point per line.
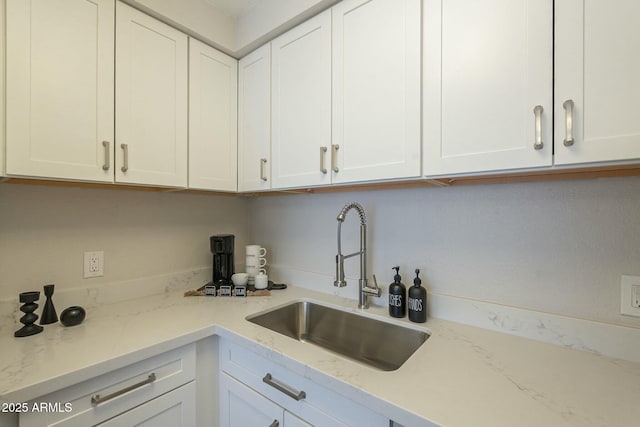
x=240, y=406
x=174, y=409
x=301, y=104
x=2, y=97
x=213, y=124
x=254, y=117
x=376, y=89
x=151, y=100
x=291, y=420
x=598, y=70
x=487, y=66
x=59, y=88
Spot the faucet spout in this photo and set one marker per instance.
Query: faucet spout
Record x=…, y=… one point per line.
x=364, y=289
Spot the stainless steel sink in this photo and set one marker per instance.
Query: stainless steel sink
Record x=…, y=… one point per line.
x=379, y=344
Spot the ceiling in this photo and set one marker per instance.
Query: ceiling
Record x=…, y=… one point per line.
x=234, y=8
x=235, y=27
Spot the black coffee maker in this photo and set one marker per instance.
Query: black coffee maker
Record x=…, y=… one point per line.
x=222, y=250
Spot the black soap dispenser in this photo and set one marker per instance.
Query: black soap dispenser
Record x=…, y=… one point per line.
x=397, y=296
x=417, y=301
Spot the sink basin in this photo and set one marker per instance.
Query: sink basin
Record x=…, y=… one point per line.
x=382, y=345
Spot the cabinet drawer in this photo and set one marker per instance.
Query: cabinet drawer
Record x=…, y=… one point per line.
x=318, y=403
x=119, y=390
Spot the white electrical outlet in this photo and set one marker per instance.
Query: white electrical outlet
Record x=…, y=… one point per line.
x=635, y=296
x=630, y=296
x=93, y=264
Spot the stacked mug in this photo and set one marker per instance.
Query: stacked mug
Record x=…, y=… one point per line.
x=255, y=263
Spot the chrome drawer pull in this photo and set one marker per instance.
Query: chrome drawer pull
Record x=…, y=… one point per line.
x=568, y=108
x=97, y=399
x=284, y=388
x=323, y=152
x=125, y=157
x=263, y=175
x=538, y=144
x=107, y=159
x=334, y=157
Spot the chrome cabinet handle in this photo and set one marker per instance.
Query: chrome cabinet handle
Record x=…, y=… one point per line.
x=538, y=144
x=284, y=388
x=323, y=152
x=275, y=423
x=334, y=157
x=97, y=399
x=263, y=163
x=568, y=113
x=125, y=159
x=107, y=158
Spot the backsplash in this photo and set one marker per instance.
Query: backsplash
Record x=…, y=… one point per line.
x=551, y=247
x=44, y=231
x=540, y=260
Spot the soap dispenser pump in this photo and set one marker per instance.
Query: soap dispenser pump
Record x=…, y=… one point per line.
x=417, y=300
x=397, y=296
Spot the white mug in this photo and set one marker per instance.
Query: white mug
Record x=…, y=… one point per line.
x=256, y=250
x=253, y=261
x=261, y=281
x=254, y=271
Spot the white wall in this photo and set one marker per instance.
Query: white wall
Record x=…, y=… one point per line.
x=195, y=17
x=45, y=230
x=557, y=247
x=236, y=31
x=268, y=19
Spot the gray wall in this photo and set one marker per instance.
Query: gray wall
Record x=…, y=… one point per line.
x=45, y=230
x=557, y=247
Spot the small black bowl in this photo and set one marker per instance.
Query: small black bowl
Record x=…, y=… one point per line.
x=72, y=316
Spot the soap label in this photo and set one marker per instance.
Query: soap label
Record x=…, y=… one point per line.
x=415, y=304
x=395, y=300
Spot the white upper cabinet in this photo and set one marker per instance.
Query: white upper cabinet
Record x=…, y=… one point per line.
x=301, y=104
x=59, y=89
x=487, y=85
x=376, y=90
x=254, y=120
x=2, y=91
x=213, y=124
x=597, y=86
x=151, y=100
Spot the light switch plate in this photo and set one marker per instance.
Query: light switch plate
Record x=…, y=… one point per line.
x=630, y=295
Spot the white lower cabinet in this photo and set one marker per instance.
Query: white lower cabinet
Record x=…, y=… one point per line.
x=174, y=409
x=255, y=391
x=158, y=392
x=241, y=406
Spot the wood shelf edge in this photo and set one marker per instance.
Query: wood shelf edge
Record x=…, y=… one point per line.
x=594, y=172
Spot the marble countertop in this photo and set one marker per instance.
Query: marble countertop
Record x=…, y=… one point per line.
x=462, y=375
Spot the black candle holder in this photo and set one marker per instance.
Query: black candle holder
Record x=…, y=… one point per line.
x=28, y=300
x=49, y=314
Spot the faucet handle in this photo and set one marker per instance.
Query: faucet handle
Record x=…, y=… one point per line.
x=375, y=291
